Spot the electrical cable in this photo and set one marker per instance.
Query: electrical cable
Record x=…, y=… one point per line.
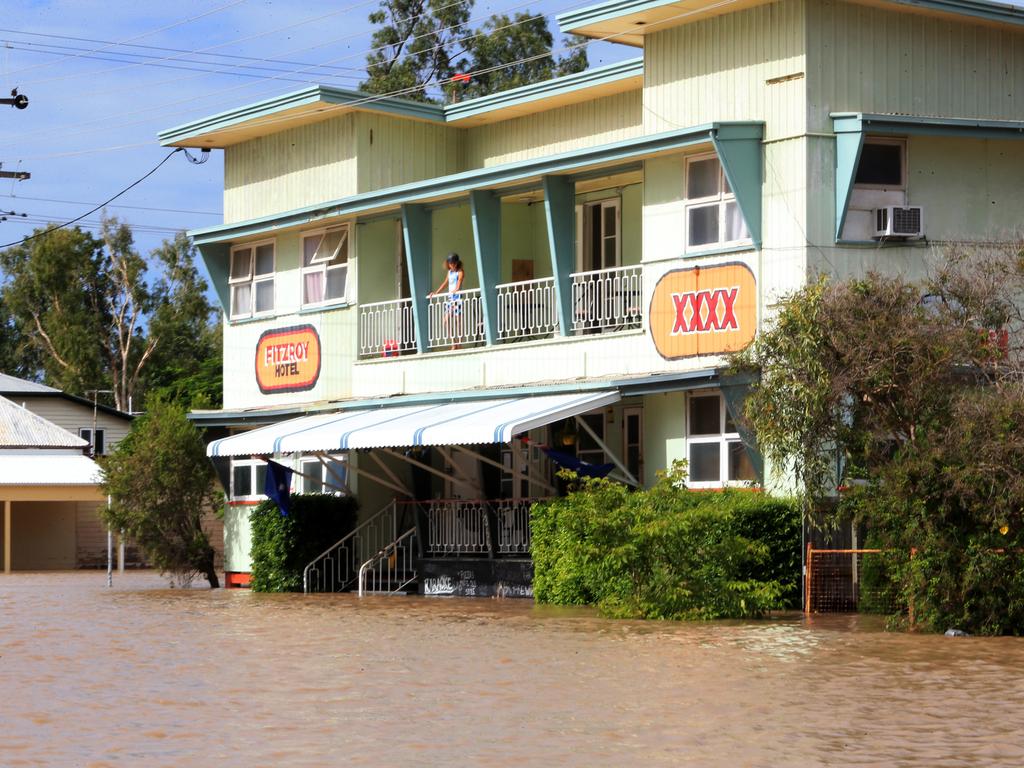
x=39, y=136
x=189, y=20
x=108, y=200
x=132, y=207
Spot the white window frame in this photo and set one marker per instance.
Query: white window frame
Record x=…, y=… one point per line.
x=256, y=493
x=86, y=434
x=902, y=144
x=311, y=465
x=583, y=238
x=723, y=439
x=722, y=199
x=321, y=264
x=251, y=279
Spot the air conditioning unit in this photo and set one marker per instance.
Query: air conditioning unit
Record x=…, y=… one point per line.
x=906, y=221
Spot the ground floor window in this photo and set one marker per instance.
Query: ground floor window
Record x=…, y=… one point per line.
x=633, y=441
x=328, y=476
x=248, y=478
x=715, y=452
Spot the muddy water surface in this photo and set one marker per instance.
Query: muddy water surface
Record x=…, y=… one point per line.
x=145, y=676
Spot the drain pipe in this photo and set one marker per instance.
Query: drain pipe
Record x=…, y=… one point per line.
x=110, y=552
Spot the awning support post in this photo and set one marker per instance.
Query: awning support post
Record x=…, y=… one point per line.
x=499, y=465
x=387, y=471
x=7, y=536
x=608, y=452
x=342, y=484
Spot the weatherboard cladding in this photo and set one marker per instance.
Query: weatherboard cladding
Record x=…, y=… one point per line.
x=20, y=428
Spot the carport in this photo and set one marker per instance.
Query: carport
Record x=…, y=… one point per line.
x=45, y=478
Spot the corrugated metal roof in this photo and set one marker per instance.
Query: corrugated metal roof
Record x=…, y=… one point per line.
x=20, y=428
x=10, y=385
x=47, y=467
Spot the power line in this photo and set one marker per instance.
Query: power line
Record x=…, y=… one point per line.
x=198, y=52
x=235, y=72
x=105, y=202
x=131, y=207
x=192, y=99
x=189, y=20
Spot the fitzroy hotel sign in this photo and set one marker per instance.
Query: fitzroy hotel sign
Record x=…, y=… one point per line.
x=704, y=311
x=288, y=359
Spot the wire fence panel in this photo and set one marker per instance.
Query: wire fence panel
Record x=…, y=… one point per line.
x=852, y=580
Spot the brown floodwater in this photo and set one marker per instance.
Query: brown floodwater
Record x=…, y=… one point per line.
x=143, y=675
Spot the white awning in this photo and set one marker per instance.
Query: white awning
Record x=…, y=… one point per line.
x=41, y=467
x=468, y=422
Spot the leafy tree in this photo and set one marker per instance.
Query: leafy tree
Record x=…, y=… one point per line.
x=17, y=355
x=525, y=40
x=413, y=45
x=186, y=363
x=162, y=485
x=85, y=313
x=420, y=43
x=916, y=389
x=55, y=291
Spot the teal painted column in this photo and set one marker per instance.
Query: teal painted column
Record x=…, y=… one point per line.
x=416, y=229
x=217, y=258
x=739, y=151
x=560, y=210
x=486, y=209
x=848, y=148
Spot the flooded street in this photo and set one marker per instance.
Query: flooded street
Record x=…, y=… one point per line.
x=143, y=675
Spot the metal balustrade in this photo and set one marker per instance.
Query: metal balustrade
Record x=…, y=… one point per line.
x=455, y=321
x=457, y=527
x=513, y=525
x=336, y=569
x=392, y=569
x=527, y=310
x=386, y=328
x=607, y=299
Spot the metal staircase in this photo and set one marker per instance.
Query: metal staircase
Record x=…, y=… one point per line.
x=338, y=568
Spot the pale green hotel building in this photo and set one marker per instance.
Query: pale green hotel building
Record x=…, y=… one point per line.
x=621, y=230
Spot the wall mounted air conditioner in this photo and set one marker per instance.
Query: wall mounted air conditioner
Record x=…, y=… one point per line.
x=905, y=221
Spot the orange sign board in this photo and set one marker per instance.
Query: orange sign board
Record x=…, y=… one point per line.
x=288, y=359
x=704, y=311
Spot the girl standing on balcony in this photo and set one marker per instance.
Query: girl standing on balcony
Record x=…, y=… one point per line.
x=453, y=304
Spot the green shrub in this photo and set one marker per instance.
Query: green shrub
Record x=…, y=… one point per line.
x=666, y=553
x=282, y=546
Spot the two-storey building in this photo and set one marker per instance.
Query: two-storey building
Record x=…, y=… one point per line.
x=622, y=230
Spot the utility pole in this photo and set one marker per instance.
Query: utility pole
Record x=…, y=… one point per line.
x=18, y=101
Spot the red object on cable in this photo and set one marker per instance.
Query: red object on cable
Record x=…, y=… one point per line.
x=460, y=77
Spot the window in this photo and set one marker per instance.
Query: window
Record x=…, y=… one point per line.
x=324, y=266
x=248, y=478
x=882, y=164
x=598, y=239
x=716, y=454
x=633, y=441
x=713, y=216
x=587, y=448
x=99, y=448
x=252, y=280
x=318, y=478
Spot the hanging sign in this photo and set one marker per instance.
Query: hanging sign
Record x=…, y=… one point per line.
x=288, y=359
x=704, y=311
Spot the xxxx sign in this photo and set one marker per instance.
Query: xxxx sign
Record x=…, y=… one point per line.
x=288, y=359
x=704, y=311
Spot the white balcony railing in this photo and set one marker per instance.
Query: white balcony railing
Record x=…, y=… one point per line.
x=455, y=321
x=527, y=309
x=386, y=328
x=607, y=299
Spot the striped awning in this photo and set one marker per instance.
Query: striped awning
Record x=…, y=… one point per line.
x=469, y=422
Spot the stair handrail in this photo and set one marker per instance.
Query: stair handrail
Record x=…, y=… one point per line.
x=391, y=506
x=386, y=553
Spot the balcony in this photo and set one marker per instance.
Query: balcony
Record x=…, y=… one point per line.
x=603, y=301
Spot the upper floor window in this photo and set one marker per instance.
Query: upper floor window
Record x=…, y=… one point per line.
x=713, y=216
x=99, y=447
x=882, y=164
x=252, y=279
x=324, y=266
x=715, y=452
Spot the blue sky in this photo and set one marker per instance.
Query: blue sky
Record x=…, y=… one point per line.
x=90, y=128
